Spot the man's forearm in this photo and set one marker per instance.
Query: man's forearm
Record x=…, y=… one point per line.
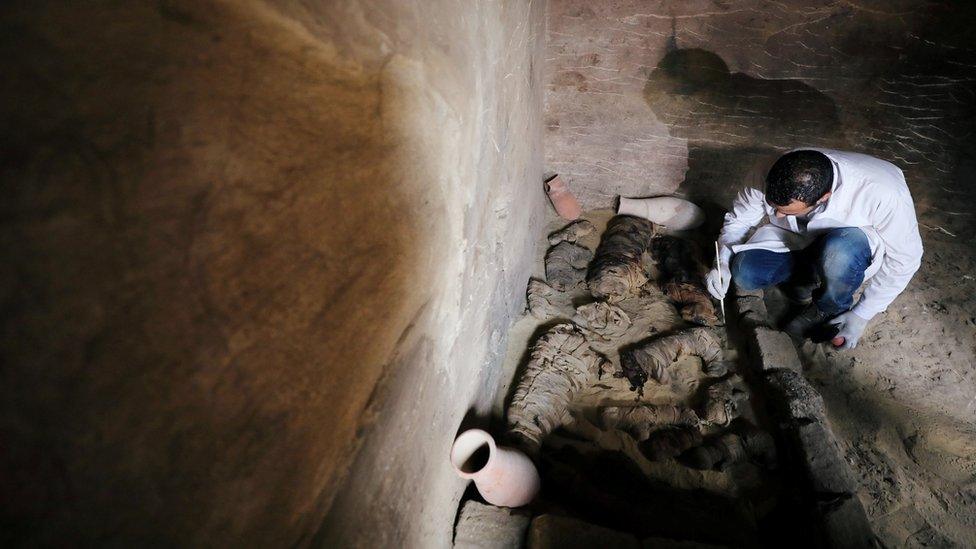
x=881, y=291
x=747, y=212
x=902, y=257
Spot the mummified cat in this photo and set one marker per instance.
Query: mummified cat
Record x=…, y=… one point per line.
x=652, y=358
x=618, y=267
x=566, y=265
x=562, y=363
x=681, y=274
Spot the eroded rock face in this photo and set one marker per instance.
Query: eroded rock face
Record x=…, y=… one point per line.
x=689, y=96
x=223, y=224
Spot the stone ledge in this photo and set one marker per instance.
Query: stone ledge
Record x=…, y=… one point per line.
x=484, y=526
x=775, y=349
x=739, y=292
x=751, y=308
x=556, y=532
x=846, y=524
x=792, y=397
x=826, y=467
x=802, y=418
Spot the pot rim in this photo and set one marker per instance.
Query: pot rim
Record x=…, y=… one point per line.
x=465, y=446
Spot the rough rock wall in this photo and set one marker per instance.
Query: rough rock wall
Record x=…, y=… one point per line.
x=401, y=492
x=657, y=97
x=241, y=241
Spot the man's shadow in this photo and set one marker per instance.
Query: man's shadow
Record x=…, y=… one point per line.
x=734, y=123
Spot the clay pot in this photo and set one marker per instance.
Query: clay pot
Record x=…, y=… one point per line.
x=673, y=213
x=562, y=199
x=504, y=476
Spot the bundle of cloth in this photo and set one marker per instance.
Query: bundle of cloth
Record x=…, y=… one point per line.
x=623, y=261
x=681, y=275
x=620, y=264
x=633, y=271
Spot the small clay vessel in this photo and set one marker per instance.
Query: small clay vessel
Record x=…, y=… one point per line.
x=673, y=213
x=504, y=476
x=562, y=198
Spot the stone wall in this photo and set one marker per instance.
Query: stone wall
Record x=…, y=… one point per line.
x=257, y=261
x=648, y=98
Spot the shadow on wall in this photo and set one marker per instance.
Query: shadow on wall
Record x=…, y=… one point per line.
x=733, y=122
x=193, y=311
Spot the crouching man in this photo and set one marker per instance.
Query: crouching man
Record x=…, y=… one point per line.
x=835, y=219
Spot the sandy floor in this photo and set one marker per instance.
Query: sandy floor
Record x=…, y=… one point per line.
x=622, y=507
x=904, y=400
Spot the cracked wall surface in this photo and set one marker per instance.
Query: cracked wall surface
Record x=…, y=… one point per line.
x=258, y=261
x=638, y=93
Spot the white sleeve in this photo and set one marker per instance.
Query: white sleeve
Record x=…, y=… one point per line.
x=748, y=210
x=898, y=229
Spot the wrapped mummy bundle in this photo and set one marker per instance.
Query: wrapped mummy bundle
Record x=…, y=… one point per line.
x=561, y=364
x=681, y=276
x=641, y=421
x=566, y=265
x=546, y=303
x=696, y=305
x=652, y=359
x=663, y=431
x=723, y=401
x=602, y=320
x=618, y=270
x=670, y=442
x=718, y=453
x=574, y=232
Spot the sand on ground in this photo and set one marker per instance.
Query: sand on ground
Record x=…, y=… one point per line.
x=904, y=401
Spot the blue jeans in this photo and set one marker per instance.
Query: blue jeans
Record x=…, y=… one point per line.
x=836, y=260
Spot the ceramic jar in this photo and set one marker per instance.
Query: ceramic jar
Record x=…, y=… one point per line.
x=563, y=199
x=675, y=214
x=504, y=476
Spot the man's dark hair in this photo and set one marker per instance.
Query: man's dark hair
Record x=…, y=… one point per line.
x=799, y=175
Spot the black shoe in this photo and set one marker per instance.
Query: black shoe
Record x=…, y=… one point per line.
x=823, y=333
x=808, y=323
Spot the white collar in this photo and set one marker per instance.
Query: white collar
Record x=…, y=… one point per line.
x=833, y=189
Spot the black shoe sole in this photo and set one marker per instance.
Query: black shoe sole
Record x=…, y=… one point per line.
x=823, y=333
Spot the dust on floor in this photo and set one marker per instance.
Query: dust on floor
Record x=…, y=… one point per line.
x=904, y=400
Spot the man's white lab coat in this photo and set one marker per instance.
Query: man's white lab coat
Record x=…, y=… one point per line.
x=869, y=193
